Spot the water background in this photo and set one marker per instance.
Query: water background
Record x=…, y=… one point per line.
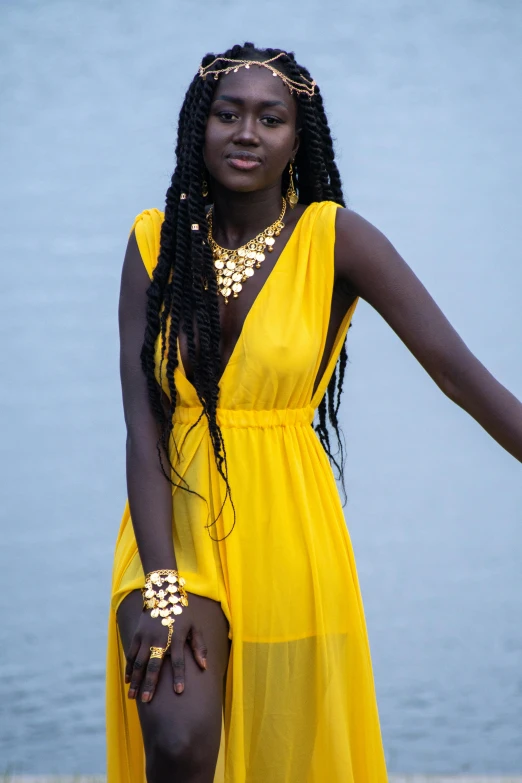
x=425, y=101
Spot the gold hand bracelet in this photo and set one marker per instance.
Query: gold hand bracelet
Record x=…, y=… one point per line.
x=165, y=595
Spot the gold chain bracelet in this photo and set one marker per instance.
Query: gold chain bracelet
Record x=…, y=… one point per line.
x=165, y=595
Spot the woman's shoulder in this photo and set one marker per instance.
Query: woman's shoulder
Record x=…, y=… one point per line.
x=318, y=221
x=147, y=230
x=355, y=231
x=148, y=220
x=323, y=212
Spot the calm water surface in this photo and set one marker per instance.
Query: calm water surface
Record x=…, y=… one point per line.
x=425, y=101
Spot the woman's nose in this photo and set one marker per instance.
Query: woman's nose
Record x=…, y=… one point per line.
x=246, y=132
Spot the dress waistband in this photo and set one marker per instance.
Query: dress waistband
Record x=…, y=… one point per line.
x=283, y=417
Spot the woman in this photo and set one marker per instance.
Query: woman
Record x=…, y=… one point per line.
x=257, y=669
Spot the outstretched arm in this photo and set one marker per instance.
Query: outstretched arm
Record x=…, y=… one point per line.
x=369, y=263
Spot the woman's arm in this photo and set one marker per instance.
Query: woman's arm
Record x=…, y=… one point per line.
x=369, y=263
x=150, y=494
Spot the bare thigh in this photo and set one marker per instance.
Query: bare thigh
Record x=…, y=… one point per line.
x=186, y=727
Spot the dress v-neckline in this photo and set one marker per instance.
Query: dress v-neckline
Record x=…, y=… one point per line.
x=253, y=306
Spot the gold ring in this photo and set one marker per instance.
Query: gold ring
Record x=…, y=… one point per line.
x=157, y=652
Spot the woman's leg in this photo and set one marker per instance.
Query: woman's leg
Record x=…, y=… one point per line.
x=181, y=733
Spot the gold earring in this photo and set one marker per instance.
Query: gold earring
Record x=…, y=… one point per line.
x=204, y=189
x=291, y=193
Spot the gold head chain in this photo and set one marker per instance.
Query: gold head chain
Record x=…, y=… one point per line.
x=306, y=86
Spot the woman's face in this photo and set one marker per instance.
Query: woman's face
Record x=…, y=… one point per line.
x=251, y=130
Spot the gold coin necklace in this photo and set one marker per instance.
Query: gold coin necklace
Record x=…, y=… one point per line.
x=234, y=267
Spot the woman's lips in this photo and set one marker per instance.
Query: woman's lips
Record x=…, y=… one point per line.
x=244, y=164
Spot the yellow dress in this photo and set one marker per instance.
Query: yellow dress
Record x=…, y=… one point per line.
x=300, y=704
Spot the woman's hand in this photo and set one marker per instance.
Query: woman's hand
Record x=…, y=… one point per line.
x=143, y=671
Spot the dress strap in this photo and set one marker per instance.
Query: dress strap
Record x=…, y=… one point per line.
x=147, y=230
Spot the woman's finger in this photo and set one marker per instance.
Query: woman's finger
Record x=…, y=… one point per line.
x=199, y=648
x=151, y=678
x=131, y=655
x=138, y=670
x=178, y=661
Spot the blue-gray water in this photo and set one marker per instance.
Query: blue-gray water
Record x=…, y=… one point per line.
x=425, y=100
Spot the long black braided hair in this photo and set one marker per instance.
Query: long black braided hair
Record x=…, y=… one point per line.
x=183, y=292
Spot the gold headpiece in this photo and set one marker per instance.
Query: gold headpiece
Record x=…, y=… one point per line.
x=306, y=86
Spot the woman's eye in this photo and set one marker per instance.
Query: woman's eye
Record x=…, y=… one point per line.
x=227, y=116
x=272, y=121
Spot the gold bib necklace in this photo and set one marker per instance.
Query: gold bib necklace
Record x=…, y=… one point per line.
x=233, y=267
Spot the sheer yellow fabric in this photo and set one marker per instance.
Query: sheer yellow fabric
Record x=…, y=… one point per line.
x=300, y=704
